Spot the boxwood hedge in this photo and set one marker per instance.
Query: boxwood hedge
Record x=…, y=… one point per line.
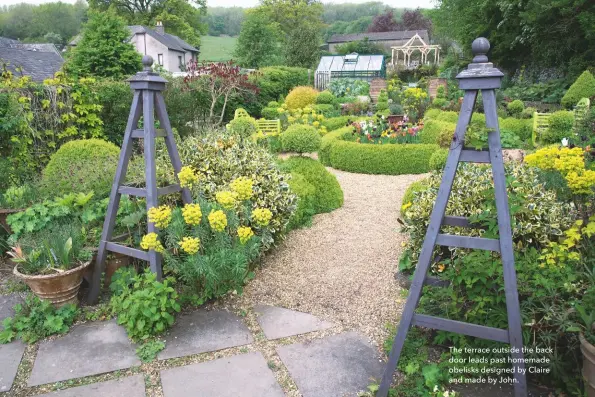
x=391, y=159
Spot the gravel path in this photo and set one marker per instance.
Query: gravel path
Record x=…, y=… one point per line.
x=342, y=268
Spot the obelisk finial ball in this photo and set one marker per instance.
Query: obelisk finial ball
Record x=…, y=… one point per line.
x=480, y=48
x=147, y=62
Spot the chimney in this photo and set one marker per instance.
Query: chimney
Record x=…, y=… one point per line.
x=159, y=28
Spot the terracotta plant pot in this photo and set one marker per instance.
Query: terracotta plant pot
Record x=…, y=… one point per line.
x=588, y=351
x=60, y=288
x=395, y=118
x=114, y=262
x=4, y=214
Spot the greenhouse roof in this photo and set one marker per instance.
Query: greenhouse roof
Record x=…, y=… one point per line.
x=351, y=62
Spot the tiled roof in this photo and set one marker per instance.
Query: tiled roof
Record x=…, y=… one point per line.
x=380, y=36
x=37, y=64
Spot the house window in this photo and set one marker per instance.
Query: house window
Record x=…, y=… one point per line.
x=180, y=61
x=160, y=59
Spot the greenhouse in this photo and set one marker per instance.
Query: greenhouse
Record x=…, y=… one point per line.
x=365, y=67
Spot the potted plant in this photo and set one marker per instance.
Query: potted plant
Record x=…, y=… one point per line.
x=52, y=263
x=396, y=113
x=586, y=327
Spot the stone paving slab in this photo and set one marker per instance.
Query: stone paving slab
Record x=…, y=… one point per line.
x=278, y=322
x=6, y=304
x=205, y=331
x=132, y=386
x=88, y=349
x=335, y=366
x=10, y=358
x=245, y=375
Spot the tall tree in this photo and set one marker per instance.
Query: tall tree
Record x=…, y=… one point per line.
x=540, y=33
x=259, y=42
x=104, y=50
x=179, y=17
x=384, y=23
x=415, y=20
x=301, y=24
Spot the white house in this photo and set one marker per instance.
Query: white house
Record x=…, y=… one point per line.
x=167, y=50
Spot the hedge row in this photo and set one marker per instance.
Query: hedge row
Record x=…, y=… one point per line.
x=391, y=159
x=437, y=121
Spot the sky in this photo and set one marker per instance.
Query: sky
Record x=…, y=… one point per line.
x=252, y=3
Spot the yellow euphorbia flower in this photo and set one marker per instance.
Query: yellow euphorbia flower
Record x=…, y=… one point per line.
x=226, y=200
x=151, y=241
x=188, y=177
x=160, y=216
x=242, y=187
x=190, y=245
x=262, y=216
x=245, y=233
x=192, y=214
x=217, y=220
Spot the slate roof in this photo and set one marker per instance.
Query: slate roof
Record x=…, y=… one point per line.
x=169, y=40
x=37, y=64
x=402, y=35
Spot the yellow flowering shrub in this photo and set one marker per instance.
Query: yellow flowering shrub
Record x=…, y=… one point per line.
x=151, y=241
x=566, y=251
x=226, y=199
x=190, y=245
x=581, y=183
x=262, y=216
x=245, y=233
x=160, y=216
x=242, y=188
x=188, y=177
x=218, y=220
x=192, y=214
x=569, y=162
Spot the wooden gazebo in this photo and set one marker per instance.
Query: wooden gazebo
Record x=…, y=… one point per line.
x=413, y=46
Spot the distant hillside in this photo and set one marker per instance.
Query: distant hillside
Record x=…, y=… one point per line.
x=214, y=48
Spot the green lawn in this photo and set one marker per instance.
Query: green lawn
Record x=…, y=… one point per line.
x=214, y=48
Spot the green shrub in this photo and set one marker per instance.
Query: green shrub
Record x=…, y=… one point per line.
x=451, y=117
x=528, y=113
x=35, y=319
x=327, y=110
x=276, y=81
x=80, y=167
x=438, y=159
x=396, y=109
x=243, y=126
x=270, y=113
x=273, y=104
x=115, y=98
x=560, y=126
x=412, y=190
x=306, y=196
x=144, y=306
x=300, y=138
x=439, y=103
x=382, y=103
x=328, y=195
x=220, y=158
x=334, y=123
x=347, y=87
x=515, y=108
x=325, y=98
x=436, y=131
x=374, y=159
x=583, y=87
x=521, y=128
x=432, y=114
x=300, y=97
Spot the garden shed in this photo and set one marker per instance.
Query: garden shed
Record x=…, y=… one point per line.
x=354, y=65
